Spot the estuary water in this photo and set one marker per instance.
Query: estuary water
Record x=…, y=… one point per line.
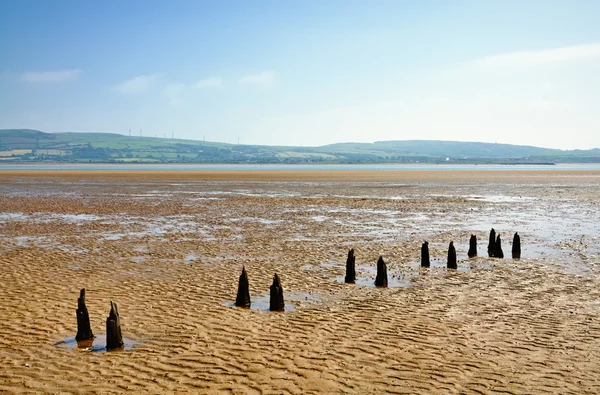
x=300, y=167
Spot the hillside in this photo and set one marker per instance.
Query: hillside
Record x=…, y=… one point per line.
x=24, y=145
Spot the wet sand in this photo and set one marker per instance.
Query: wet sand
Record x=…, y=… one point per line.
x=169, y=247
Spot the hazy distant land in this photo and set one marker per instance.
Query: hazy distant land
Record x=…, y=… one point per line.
x=27, y=146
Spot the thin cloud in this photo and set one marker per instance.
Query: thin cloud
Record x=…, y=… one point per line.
x=265, y=78
x=209, y=82
x=173, y=93
x=537, y=57
x=136, y=85
x=51, y=76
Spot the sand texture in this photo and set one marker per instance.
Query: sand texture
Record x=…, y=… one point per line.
x=169, y=248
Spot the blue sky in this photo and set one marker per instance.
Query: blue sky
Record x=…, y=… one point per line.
x=305, y=72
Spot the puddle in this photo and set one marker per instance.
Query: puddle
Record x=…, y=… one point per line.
x=292, y=299
x=365, y=277
x=190, y=258
x=263, y=221
x=261, y=303
x=141, y=248
x=49, y=217
x=13, y=217
x=500, y=198
x=404, y=276
x=464, y=265
x=98, y=344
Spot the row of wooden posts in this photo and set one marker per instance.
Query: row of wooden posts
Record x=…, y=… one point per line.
x=114, y=338
x=276, y=302
x=494, y=251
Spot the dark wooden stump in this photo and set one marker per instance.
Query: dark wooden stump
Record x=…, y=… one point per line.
x=472, y=247
x=516, y=246
x=276, y=302
x=114, y=338
x=499, y=253
x=452, y=257
x=350, y=268
x=425, y=254
x=492, y=244
x=381, y=280
x=84, y=330
x=243, y=293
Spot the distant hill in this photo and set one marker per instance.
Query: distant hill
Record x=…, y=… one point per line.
x=25, y=145
x=443, y=148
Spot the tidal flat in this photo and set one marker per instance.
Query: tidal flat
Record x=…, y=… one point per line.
x=169, y=246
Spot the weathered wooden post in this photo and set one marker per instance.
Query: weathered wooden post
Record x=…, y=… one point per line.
x=114, y=338
x=452, y=257
x=472, y=247
x=381, y=280
x=425, y=254
x=84, y=330
x=243, y=293
x=516, y=246
x=499, y=253
x=350, y=268
x=276, y=302
x=492, y=244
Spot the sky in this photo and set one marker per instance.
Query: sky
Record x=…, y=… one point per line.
x=310, y=72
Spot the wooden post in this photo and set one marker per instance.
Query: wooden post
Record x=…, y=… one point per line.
x=84, y=330
x=516, y=246
x=350, y=269
x=499, y=253
x=243, y=293
x=425, y=254
x=381, y=280
x=452, y=257
x=472, y=247
x=276, y=302
x=492, y=244
x=114, y=338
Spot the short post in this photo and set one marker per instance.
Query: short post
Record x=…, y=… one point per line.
x=243, y=293
x=472, y=247
x=425, y=254
x=350, y=268
x=499, y=253
x=114, y=338
x=276, y=302
x=452, y=257
x=516, y=246
x=492, y=244
x=381, y=280
x=84, y=330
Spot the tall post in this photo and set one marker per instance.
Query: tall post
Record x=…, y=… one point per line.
x=492, y=244
x=114, y=338
x=243, y=293
x=472, y=247
x=276, y=302
x=84, y=330
x=516, y=246
x=452, y=257
x=350, y=268
x=425, y=254
x=499, y=253
x=381, y=280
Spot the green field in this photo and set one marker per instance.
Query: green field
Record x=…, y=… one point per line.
x=23, y=145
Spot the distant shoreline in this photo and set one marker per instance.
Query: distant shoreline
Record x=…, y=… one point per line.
x=509, y=174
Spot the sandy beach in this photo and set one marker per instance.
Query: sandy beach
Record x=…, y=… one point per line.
x=169, y=247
